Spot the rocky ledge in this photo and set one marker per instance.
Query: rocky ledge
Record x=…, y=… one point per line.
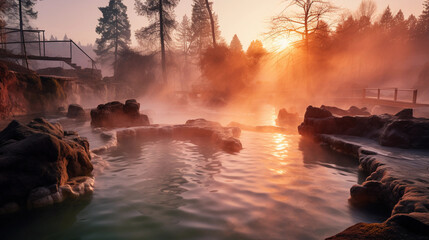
x=41, y=164
x=199, y=131
x=401, y=130
x=117, y=114
x=352, y=111
x=397, y=179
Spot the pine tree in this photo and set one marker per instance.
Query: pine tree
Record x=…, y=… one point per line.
x=423, y=23
x=11, y=13
x=386, y=20
x=201, y=27
x=114, y=30
x=236, y=44
x=161, y=16
x=184, y=36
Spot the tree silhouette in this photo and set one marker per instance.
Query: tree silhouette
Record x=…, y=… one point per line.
x=11, y=12
x=212, y=21
x=114, y=30
x=184, y=36
x=236, y=44
x=304, y=23
x=201, y=27
x=423, y=22
x=161, y=16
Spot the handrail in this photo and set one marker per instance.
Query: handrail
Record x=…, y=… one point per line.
x=82, y=51
x=395, y=96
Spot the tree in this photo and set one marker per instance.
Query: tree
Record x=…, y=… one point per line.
x=423, y=22
x=161, y=16
x=184, y=40
x=236, y=44
x=399, y=25
x=201, y=27
x=386, y=20
x=303, y=23
x=212, y=22
x=11, y=12
x=114, y=30
x=256, y=49
x=412, y=26
x=367, y=9
x=184, y=36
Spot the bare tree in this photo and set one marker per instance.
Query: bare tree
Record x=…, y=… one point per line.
x=300, y=17
x=367, y=8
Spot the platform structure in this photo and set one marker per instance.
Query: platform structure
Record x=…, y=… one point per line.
x=9, y=50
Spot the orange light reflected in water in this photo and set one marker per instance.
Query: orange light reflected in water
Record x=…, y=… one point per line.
x=280, y=153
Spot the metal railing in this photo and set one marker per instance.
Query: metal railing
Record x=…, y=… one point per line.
x=391, y=92
x=42, y=46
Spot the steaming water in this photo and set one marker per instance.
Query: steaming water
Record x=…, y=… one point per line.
x=278, y=187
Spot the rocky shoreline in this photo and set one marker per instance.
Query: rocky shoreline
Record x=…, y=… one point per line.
x=396, y=179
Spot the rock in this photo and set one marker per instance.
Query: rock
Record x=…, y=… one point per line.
x=410, y=133
x=199, y=131
x=35, y=158
x=75, y=111
x=367, y=194
x=314, y=112
x=285, y=118
x=116, y=114
x=405, y=114
x=352, y=111
x=393, y=131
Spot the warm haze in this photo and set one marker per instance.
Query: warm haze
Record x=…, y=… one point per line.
x=214, y=119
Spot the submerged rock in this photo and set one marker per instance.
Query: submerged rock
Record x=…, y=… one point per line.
x=75, y=111
x=117, y=114
x=199, y=131
x=401, y=130
x=286, y=119
x=36, y=160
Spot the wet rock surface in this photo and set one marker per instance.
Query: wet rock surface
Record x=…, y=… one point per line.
x=400, y=130
x=117, y=114
x=75, y=111
x=39, y=162
x=199, y=131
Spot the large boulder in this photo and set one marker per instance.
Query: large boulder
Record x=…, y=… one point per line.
x=75, y=111
x=38, y=161
x=116, y=114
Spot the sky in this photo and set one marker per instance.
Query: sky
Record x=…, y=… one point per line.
x=249, y=19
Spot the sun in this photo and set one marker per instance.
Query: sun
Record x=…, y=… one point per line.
x=283, y=43
x=280, y=44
